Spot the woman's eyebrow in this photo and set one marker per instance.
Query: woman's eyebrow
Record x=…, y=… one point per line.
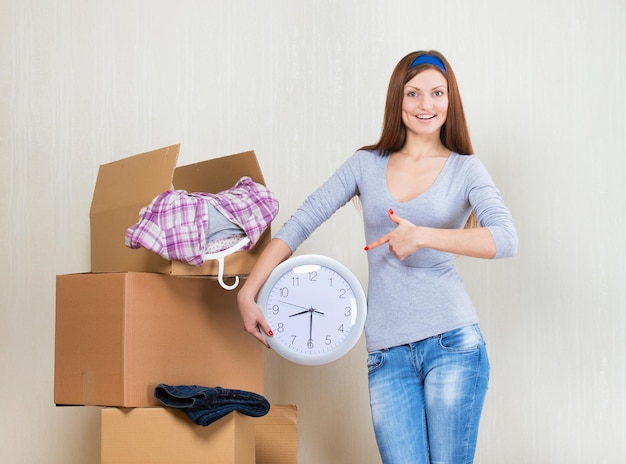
x=442, y=86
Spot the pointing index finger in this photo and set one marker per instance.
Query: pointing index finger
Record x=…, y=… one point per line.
x=377, y=243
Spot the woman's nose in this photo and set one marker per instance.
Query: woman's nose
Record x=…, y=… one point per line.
x=426, y=102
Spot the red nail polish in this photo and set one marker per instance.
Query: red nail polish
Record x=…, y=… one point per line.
x=366, y=248
x=390, y=211
x=270, y=333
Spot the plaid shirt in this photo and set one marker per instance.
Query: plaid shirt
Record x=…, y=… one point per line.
x=175, y=224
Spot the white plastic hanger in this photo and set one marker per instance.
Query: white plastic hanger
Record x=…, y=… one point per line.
x=219, y=256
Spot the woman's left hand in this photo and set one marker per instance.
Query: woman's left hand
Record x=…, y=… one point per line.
x=402, y=240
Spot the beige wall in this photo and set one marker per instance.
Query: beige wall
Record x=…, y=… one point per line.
x=84, y=82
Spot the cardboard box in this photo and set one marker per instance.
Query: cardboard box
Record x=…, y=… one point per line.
x=167, y=436
x=124, y=187
x=118, y=335
x=277, y=435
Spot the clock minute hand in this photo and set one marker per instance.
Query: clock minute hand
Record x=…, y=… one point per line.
x=308, y=310
x=297, y=306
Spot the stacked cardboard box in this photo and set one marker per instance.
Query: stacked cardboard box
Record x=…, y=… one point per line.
x=160, y=435
x=137, y=320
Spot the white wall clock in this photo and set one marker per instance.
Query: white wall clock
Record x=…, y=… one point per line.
x=316, y=308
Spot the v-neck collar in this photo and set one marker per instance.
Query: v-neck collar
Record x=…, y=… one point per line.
x=425, y=192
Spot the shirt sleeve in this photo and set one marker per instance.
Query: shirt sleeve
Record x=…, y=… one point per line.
x=338, y=189
x=490, y=209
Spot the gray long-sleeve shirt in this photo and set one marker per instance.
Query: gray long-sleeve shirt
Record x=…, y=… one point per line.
x=422, y=295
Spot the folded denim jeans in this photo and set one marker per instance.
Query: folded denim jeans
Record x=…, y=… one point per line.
x=205, y=405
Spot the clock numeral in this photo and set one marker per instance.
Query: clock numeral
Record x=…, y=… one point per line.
x=328, y=340
x=341, y=329
x=330, y=281
x=309, y=344
x=295, y=281
x=275, y=309
x=293, y=339
x=313, y=276
x=280, y=327
x=342, y=293
x=348, y=312
x=284, y=292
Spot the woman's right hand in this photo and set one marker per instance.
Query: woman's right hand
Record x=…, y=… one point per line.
x=253, y=320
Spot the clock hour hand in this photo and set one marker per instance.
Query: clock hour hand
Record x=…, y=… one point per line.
x=301, y=312
x=307, y=311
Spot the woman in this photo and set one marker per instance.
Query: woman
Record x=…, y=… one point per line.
x=425, y=199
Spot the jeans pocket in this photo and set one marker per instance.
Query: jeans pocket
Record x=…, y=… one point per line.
x=464, y=339
x=375, y=360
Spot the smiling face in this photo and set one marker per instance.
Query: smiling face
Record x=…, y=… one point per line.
x=425, y=103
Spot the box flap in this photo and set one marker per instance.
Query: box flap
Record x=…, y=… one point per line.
x=218, y=174
x=134, y=180
x=122, y=188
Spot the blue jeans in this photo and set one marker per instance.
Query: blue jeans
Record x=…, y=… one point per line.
x=427, y=397
x=205, y=405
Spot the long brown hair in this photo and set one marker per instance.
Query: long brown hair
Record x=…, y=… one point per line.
x=454, y=133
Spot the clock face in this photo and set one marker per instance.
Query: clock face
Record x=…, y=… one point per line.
x=315, y=307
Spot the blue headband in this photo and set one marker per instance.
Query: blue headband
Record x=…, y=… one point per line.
x=428, y=59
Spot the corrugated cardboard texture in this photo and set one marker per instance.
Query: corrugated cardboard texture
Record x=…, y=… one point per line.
x=119, y=335
x=124, y=187
x=277, y=435
x=167, y=436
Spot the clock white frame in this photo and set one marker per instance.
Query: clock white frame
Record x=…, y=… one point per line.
x=360, y=302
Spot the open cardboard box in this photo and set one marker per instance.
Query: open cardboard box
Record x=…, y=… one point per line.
x=124, y=187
